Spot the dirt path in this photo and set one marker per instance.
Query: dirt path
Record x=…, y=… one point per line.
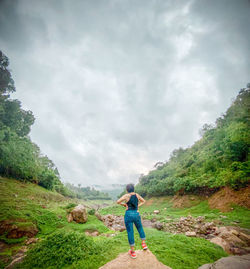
x=145, y=259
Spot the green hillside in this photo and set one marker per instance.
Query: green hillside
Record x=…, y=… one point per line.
x=219, y=158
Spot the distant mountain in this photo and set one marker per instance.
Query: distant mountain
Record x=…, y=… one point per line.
x=113, y=190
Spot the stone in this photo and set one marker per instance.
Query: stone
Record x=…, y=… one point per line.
x=245, y=237
x=91, y=233
x=144, y=260
x=221, y=242
x=239, y=251
x=231, y=262
x=31, y=240
x=70, y=218
x=78, y=214
x=190, y=234
x=18, y=258
x=158, y=225
x=98, y=215
x=15, y=262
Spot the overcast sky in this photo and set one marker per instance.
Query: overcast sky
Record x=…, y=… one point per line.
x=117, y=85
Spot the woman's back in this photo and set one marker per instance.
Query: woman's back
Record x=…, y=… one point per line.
x=133, y=202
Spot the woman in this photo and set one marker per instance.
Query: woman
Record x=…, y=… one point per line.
x=132, y=216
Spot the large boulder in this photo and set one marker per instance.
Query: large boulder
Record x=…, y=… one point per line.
x=232, y=262
x=78, y=214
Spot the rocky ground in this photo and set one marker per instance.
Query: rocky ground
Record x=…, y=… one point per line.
x=233, y=240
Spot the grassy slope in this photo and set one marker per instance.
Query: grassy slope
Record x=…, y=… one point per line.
x=168, y=212
x=64, y=245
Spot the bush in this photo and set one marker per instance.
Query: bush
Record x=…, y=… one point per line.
x=91, y=211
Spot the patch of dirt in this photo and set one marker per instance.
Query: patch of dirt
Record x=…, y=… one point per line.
x=17, y=229
x=149, y=202
x=224, y=198
x=182, y=201
x=145, y=259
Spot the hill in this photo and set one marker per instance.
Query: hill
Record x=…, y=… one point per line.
x=220, y=158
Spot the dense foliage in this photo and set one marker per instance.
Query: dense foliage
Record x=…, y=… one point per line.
x=19, y=157
x=219, y=158
x=87, y=192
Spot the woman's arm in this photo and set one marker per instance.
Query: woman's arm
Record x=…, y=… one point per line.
x=122, y=201
x=142, y=201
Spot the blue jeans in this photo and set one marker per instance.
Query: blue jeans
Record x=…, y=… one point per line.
x=133, y=217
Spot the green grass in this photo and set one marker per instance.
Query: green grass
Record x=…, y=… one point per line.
x=169, y=213
x=65, y=245
x=67, y=249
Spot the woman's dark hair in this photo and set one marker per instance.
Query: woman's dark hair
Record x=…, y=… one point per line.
x=130, y=188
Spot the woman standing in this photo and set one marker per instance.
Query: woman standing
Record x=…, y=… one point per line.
x=130, y=201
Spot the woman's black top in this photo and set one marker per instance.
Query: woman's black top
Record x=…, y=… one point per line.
x=133, y=202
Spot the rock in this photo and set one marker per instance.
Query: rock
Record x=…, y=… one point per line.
x=115, y=223
x=245, y=237
x=15, y=229
x=158, y=225
x=15, y=262
x=109, y=235
x=200, y=219
x=221, y=242
x=144, y=260
x=78, y=214
x=239, y=251
x=91, y=233
x=31, y=240
x=232, y=262
x=190, y=234
x=18, y=257
x=156, y=211
x=98, y=215
x=70, y=217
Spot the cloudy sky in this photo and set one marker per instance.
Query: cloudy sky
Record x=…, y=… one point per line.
x=116, y=85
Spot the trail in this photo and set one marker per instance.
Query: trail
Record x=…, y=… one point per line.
x=145, y=259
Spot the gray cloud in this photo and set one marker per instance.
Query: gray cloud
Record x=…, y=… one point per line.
x=117, y=85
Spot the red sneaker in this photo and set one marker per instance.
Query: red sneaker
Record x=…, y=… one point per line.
x=144, y=246
x=132, y=254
